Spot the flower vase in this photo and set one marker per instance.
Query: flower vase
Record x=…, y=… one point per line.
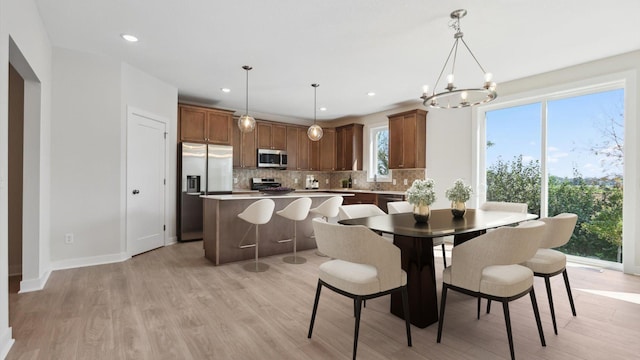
x=458, y=208
x=421, y=213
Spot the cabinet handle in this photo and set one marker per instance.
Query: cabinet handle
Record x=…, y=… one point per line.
x=136, y=192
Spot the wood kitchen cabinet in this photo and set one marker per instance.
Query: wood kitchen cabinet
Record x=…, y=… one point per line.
x=349, y=147
x=360, y=198
x=205, y=125
x=327, y=150
x=245, y=152
x=271, y=136
x=304, y=149
x=292, y=147
x=408, y=139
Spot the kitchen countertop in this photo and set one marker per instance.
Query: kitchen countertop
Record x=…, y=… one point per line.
x=258, y=195
x=336, y=190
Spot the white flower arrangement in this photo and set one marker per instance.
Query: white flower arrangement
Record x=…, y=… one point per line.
x=421, y=192
x=459, y=192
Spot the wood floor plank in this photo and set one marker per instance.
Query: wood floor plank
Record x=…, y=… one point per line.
x=172, y=303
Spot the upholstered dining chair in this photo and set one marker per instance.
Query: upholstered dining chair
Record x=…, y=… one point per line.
x=488, y=267
x=504, y=206
x=327, y=209
x=354, y=211
x=364, y=266
x=548, y=262
x=398, y=207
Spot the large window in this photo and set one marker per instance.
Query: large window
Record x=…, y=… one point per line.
x=379, y=150
x=563, y=154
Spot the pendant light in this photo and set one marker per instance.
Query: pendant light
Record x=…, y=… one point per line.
x=452, y=97
x=247, y=123
x=315, y=131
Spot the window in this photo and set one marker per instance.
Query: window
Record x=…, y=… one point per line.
x=379, y=150
x=562, y=153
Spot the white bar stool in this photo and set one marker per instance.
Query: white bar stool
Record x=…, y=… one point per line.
x=298, y=210
x=327, y=209
x=257, y=213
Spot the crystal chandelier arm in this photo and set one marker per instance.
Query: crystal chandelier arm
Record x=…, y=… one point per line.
x=473, y=56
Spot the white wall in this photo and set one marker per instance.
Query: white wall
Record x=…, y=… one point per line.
x=20, y=21
x=85, y=157
x=144, y=92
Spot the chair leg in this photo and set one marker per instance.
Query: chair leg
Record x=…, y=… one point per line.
x=547, y=283
x=443, y=303
x=534, y=303
x=479, y=301
x=315, y=309
x=357, y=329
x=405, y=311
x=566, y=284
x=488, y=305
x=507, y=321
x=444, y=256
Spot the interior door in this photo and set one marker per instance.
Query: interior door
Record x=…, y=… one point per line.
x=145, y=183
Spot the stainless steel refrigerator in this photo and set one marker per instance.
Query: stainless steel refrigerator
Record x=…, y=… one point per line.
x=204, y=169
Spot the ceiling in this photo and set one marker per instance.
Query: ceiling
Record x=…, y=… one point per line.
x=349, y=47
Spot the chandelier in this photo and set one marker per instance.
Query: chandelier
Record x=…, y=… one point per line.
x=315, y=131
x=247, y=123
x=452, y=97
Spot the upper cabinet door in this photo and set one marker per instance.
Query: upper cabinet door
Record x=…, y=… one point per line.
x=407, y=140
x=205, y=125
x=349, y=147
x=271, y=136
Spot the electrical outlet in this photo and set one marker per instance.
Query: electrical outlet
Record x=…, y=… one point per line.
x=295, y=180
x=235, y=180
x=68, y=238
x=406, y=182
x=355, y=182
x=326, y=181
x=394, y=181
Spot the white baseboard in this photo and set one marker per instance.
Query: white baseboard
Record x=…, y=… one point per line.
x=171, y=241
x=29, y=285
x=5, y=342
x=89, y=261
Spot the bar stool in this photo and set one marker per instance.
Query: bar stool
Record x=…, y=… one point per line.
x=257, y=213
x=298, y=210
x=328, y=209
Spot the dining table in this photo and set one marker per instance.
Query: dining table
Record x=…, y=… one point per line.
x=415, y=241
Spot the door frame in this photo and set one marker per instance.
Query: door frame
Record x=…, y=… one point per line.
x=142, y=113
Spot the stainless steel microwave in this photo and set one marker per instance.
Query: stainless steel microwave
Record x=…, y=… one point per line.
x=272, y=158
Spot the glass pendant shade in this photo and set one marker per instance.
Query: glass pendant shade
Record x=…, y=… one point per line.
x=246, y=123
x=315, y=132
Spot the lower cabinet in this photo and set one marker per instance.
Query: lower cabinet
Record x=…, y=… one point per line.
x=360, y=198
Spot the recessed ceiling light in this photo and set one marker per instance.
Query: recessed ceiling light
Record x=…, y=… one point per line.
x=371, y=93
x=323, y=109
x=226, y=90
x=129, y=37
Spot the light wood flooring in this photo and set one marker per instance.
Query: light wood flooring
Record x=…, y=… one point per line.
x=172, y=303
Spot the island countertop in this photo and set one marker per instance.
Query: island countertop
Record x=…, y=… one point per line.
x=257, y=196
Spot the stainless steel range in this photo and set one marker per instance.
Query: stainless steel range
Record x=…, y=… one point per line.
x=263, y=183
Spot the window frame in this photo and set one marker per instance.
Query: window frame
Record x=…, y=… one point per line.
x=371, y=162
x=623, y=80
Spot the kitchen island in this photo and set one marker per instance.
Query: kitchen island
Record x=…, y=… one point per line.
x=225, y=233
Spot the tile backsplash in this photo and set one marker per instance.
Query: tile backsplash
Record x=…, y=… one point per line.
x=326, y=180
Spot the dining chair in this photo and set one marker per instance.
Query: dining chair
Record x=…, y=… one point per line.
x=398, y=207
x=488, y=266
x=297, y=210
x=327, y=209
x=258, y=213
x=354, y=211
x=548, y=262
x=504, y=206
x=363, y=266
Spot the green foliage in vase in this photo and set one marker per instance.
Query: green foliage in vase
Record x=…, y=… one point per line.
x=422, y=192
x=459, y=192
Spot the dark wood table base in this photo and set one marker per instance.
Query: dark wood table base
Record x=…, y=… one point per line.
x=417, y=261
